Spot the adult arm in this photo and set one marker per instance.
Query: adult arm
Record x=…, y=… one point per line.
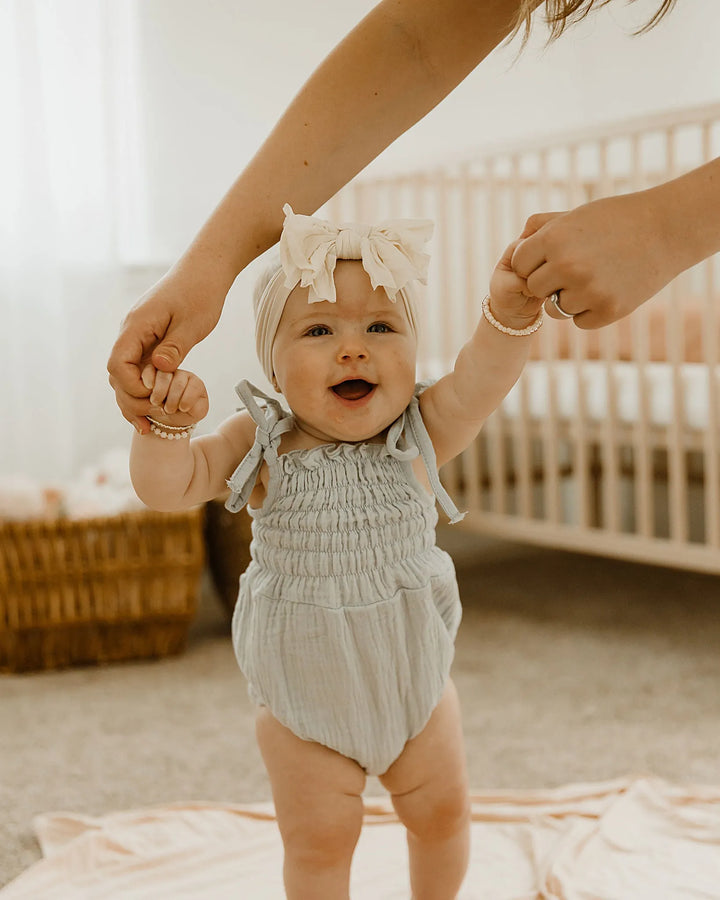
x=609, y=256
x=395, y=66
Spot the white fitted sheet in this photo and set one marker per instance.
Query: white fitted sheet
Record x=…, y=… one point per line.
x=628, y=379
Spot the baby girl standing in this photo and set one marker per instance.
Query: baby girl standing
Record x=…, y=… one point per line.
x=347, y=614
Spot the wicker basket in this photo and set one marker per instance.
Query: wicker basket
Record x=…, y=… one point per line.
x=97, y=590
x=227, y=538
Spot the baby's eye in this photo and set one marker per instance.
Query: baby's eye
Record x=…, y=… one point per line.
x=317, y=331
x=380, y=328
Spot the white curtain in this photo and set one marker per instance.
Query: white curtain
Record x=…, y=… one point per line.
x=69, y=176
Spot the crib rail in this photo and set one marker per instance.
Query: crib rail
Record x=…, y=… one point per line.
x=645, y=488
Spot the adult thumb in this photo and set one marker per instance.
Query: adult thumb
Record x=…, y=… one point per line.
x=170, y=352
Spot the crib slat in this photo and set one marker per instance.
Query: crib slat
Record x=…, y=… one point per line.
x=472, y=475
x=677, y=474
x=469, y=239
x=444, y=321
x=523, y=463
x=578, y=348
x=711, y=439
x=677, y=478
x=549, y=344
x=494, y=424
x=444, y=310
x=333, y=207
x=711, y=436
x=640, y=334
x=609, y=452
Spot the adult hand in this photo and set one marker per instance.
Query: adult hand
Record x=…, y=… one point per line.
x=605, y=257
x=161, y=328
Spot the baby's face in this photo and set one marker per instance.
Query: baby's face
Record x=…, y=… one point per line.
x=347, y=369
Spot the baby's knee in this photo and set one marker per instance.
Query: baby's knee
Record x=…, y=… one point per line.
x=326, y=840
x=437, y=817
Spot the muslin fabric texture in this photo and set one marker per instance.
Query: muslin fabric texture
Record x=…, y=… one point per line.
x=347, y=614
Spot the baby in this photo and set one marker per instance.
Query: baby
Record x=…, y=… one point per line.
x=346, y=617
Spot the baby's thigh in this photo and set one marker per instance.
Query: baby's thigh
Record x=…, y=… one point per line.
x=317, y=792
x=428, y=781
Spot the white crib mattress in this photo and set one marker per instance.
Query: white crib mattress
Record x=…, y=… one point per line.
x=594, y=379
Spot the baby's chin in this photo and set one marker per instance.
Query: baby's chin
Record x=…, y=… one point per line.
x=347, y=432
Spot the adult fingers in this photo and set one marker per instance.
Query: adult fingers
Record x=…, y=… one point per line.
x=134, y=409
x=179, y=339
x=536, y=221
x=528, y=255
x=531, y=252
x=556, y=306
x=574, y=304
x=125, y=366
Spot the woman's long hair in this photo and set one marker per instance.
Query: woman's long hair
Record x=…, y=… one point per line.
x=561, y=13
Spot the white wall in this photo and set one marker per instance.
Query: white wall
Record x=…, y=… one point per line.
x=216, y=75
x=202, y=82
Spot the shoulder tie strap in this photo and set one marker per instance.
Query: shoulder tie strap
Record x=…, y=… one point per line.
x=272, y=422
x=398, y=447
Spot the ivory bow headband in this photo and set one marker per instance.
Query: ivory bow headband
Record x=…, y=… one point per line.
x=391, y=253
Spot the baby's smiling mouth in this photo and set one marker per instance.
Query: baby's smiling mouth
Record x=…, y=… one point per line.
x=353, y=389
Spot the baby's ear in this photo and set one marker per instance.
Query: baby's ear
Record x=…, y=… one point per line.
x=276, y=385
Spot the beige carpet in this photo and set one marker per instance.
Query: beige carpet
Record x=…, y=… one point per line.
x=570, y=669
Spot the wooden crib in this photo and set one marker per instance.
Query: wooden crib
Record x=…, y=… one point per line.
x=609, y=443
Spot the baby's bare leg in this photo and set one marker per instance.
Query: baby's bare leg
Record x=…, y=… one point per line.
x=429, y=787
x=318, y=802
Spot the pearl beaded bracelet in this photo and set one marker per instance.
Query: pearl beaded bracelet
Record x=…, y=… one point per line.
x=514, y=332
x=170, y=432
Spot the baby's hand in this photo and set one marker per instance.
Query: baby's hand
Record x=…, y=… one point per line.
x=177, y=398
x=510, y=301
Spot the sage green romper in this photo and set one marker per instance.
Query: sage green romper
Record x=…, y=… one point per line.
x=347, y=614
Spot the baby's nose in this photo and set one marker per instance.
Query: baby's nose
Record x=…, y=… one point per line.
x=352, y=348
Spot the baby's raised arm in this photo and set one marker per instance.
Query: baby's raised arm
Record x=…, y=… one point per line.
x=487, y=366
x=170, y=471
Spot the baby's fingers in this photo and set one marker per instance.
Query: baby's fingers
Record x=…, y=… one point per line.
x=181, y=393
x=194, y=400
x=187, y=394
x=163, y=380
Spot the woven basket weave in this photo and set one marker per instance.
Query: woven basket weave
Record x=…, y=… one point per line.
x=97, y=590
x=227, y=538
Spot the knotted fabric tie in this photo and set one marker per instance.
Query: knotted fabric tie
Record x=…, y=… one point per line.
x=272, y=422
x=391, y=253
x=398, y=446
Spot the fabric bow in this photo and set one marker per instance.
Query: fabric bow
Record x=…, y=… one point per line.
x=391, y=252
x=271, y=424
